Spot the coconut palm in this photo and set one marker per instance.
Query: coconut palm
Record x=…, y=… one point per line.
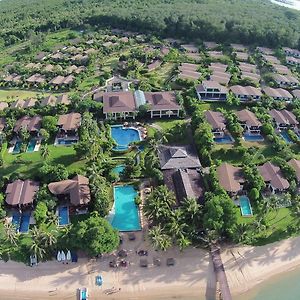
x=183, y=242
x=45, y=152
x=52, y=218
x=11, y=234
x=159, y=239
x=49, y=239
x=37, y=250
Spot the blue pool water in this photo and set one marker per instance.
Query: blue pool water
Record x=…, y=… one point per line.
x=17, y=147
x=126, y=216
x=63, y=215
x=83, y=295
x=124, y=136
x=66, y=142
x=31, y=145
x=118, y=169
x=16, y=220
x=226, y=139
x=24, y=224
x=286, y=137
x=245, y=206
x=253, y=138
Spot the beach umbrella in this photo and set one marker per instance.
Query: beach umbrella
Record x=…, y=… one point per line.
x=58, y=256
x=63, y=256
x=69, y=257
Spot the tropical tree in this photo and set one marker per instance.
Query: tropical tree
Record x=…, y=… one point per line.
x=45, y=152
x=11, y=234
x=159, y=239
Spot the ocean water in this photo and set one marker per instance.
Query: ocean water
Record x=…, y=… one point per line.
x=281, y=287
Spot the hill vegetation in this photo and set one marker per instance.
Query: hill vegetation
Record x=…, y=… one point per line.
x=250, y=21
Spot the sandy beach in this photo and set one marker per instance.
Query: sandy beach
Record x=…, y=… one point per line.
x=191, y=278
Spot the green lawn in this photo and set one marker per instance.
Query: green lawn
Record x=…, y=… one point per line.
x=168, y=124
x=9, y=95
x=27, y=164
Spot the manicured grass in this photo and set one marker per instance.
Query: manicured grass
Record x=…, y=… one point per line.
x=168, y=124
x=8, y=95
x=27, y=164
x=88, y=83
x=57, y=38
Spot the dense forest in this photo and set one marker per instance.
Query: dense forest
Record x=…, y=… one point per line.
x=245, y=21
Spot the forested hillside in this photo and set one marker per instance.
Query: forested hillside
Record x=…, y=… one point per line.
x=245, y=21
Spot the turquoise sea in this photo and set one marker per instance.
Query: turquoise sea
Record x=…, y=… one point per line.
x=281, y=287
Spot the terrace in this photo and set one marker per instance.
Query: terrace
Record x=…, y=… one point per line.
x=249, y=122
x=211, y=90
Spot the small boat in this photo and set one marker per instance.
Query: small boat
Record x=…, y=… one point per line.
x=83, y=294
x=58, y=256
x=69, y=257
x=63, y=256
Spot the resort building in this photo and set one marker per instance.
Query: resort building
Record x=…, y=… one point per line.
x=285, y=80
x=252, y=76
x=246, y=67
x=21, y=193
x=69, y=124
x=264, y=50
x=270, y=59
x=249, y=121
x=60, y=81
x=211, y=90
x=217, y=122
x=76, y=190
x=281, y=69
x=295, y=164
x=217, y=67
x=220, y=77
x=239, y=47
x=190, y=48
x=231, y=179
x=117, y=84
x=216, y=54
x=293, y=61
x=273, y=178
x=3, y=105
x=291, y=52
x=154, y=65
x=30, y=124
x=161, y=104
x=211, y=45
x=241, y=56
x=246, y=93
x=181, y=169
x=49, y=100
x=284, y=119
x=13, y=79
x=278, y=94
x=188, y=71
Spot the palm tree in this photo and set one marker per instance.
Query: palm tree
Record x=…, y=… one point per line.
x=241, y=231
x=190, y=208
x=45, y=152
x=37, y=250
x=11, y=233
x=183, y=242
x=50, y=239
x=159, y=239
x=52, y=218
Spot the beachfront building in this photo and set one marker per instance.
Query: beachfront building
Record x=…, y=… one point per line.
x=21, y=194
x=273, y=177
x=68, y=126
x=30, y=124
x=231, y=179
x=181, y=170
x=284, y=119
x=249, y=122
x=246, y=93
x=211, y=90
x=74, y=192
x=217, y=122
x=288, y=81
x=278, y=94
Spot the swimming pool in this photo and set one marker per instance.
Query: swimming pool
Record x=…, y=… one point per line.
x=63, y=215
x=21, y=221
x=253, y=138
x=225, y=139
x=126, y=215
x=286, y=137
x=118, y=169
x=17, y=147
x=31, y=146
x=66, y=142
x=245, y=206
x=124, y=136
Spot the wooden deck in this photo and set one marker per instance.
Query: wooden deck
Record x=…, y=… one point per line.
x=220, y=273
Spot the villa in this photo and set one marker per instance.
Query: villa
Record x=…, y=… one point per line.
x=291, y=52
x=211, y=45
x=68, y=126
x=21, y=193
x=217, y=67
x=239, y=47
x=231, y=179
x=181, y=169
x=296, y=93
x=284, y=119
x=30, y=124
x=246, y=93
x=249, y=121
x=285, y=80
x=117, y=84
x=281, y=69
x=3, y=105
x=76, y=190
x=278, y=94
x=49, y=100
x=160, y=104
x=220, y=77
x=246, y=67
x=241, y=56
x=273, y=178
x=264, y=50
x=36, y=79
x=295, y=164
x=252, y=76
x=270, y=59
x=211, y=90
x=217, y=121
x=190, y=48
x=293, y=61
x=13, y=78
x=22, y=104
x=60, y=81
x=188, y=71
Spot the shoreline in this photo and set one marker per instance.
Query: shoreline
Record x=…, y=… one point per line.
x=192, y=277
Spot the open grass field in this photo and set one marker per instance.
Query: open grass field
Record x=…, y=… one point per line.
x=26, y=165
x=9, y=95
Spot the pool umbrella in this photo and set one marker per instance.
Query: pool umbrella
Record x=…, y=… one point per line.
x=58, y=256
x=69, y=257
x=63, y=256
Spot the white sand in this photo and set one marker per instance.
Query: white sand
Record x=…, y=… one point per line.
x=191, y=277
